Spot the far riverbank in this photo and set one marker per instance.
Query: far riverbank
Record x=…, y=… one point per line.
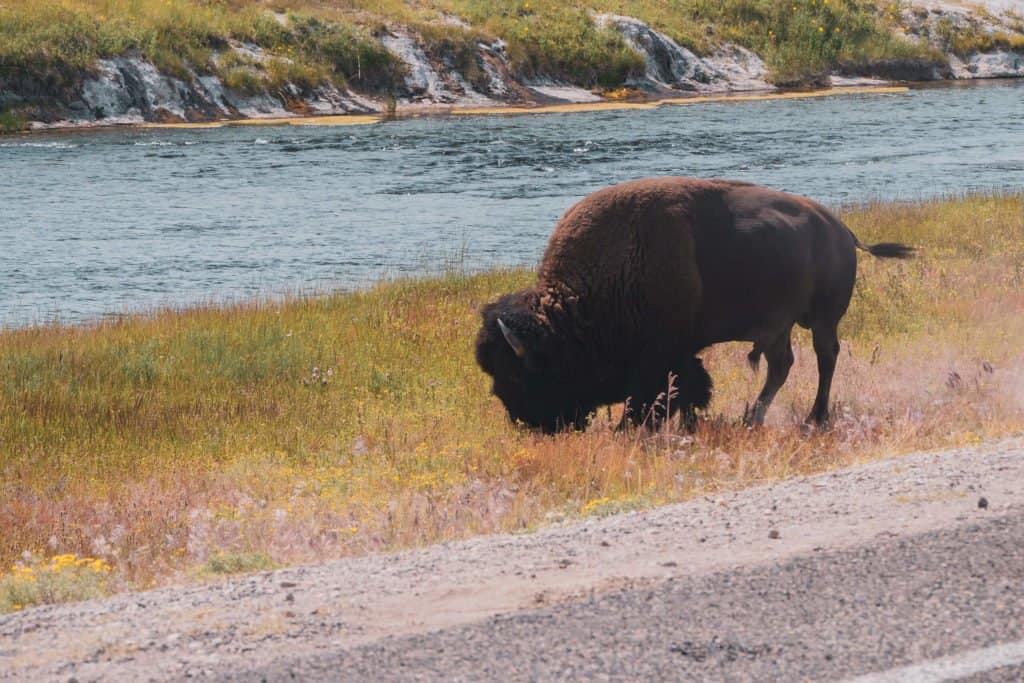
x=82, y=63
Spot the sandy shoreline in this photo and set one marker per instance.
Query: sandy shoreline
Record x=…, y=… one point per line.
x=361, y=120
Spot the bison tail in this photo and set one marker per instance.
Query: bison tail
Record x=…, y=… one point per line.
x=754, y=358
x=888, y=250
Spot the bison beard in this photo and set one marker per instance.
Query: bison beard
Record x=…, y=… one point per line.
x=638, y=278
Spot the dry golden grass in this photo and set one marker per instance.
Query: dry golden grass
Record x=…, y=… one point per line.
x=331, y=426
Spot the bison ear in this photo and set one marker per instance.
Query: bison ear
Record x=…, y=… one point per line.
x=512, y=339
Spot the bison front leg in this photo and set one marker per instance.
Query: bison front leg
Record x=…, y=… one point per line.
x=665, y=393
x=778, y=352
x=695, y=388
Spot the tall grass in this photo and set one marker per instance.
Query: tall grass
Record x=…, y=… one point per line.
x=328, y=426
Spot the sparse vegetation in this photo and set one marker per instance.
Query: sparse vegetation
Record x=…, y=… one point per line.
x=455, y=46
x=800, y=40
x=548, y=38
x=965, y=40
x=336, y=425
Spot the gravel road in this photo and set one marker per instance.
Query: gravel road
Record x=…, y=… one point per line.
x=748, y=576
x=829, y=616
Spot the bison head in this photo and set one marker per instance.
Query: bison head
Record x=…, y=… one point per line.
x=520, y=351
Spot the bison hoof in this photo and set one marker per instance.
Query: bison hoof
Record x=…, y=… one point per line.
x=752, y=417
x=814, y=425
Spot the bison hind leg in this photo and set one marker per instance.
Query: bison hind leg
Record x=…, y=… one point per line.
x=694, y=392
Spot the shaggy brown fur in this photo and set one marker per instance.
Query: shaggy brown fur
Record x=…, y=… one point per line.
x=637, y=278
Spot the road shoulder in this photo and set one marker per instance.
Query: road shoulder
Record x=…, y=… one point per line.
x=255, y=620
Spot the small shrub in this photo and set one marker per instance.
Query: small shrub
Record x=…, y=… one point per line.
x=238, y=563
x=243, y=79
x=11, y=122
x=61, y=578
x=604, y=506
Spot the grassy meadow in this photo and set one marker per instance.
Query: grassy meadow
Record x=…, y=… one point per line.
x=314, y=41
x=166, y=447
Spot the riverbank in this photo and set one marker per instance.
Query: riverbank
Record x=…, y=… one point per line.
x=92, y=62
x=613, y=105
x=177, y=445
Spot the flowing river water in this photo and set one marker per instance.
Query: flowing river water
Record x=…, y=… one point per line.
x=95, y=223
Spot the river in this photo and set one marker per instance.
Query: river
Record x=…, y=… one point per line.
x=94, y=223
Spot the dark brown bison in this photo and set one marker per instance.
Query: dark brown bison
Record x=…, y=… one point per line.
x=637, y=278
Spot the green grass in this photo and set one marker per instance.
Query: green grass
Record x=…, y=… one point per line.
x=312, y=43
x=328, y=426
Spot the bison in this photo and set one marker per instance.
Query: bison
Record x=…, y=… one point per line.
x=638, y=278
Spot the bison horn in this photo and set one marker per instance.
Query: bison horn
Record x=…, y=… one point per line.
x=512, y=339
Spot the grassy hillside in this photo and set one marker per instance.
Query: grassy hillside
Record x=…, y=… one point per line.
x=219, y=439
x=50, y=42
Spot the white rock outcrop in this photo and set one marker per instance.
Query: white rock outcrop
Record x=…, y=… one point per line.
x=999, y=64
x=670, y=66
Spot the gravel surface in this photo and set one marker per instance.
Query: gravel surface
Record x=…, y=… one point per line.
x=257, y=622
x=996, y=6
x=824, y=617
